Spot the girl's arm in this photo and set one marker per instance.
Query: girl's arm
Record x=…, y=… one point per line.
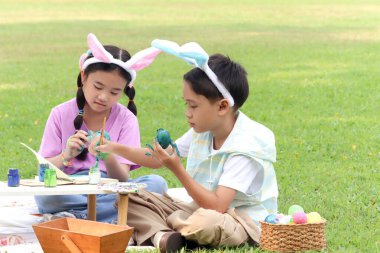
x=57, y=161
x=74, y=145
x=218, y=200
x=116, y=169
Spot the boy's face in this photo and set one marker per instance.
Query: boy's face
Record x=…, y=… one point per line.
x=201, y=114
x=103, y=89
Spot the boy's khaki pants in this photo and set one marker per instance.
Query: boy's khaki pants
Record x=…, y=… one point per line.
x=150, y=213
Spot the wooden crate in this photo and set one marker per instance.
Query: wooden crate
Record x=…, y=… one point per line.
x=75, y=235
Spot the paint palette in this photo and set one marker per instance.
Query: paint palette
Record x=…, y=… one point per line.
x=122, y=187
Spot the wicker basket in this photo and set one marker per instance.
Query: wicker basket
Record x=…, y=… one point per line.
x=294, y=237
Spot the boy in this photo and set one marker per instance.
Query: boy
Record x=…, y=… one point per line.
x=229, y=172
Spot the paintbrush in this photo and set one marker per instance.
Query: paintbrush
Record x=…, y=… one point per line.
x=102, y=132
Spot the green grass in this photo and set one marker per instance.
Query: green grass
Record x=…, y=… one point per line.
x=313, y=69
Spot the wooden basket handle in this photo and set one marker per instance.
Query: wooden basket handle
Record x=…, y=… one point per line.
x=70, y=245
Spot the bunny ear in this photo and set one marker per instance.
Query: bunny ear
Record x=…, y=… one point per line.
x=167, y=46
x=97, y=49
x=81, y=60
x=191, y=52
x=143, y=58
x=172, y=48
x=194, y=52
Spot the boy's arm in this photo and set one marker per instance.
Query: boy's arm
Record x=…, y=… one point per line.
x=218, y=200
x=135, y=155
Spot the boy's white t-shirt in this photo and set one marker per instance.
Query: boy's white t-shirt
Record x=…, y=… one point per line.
x=236, y=171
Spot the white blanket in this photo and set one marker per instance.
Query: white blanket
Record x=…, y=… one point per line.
x=16, y=220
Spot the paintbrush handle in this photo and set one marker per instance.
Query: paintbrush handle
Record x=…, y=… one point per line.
x=102, y=132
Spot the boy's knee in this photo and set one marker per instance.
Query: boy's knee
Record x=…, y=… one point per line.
x=203, y=226
x=206, y=218
x=209, y=227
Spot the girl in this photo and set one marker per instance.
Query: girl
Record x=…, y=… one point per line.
x=229, y=172
x=105, y=74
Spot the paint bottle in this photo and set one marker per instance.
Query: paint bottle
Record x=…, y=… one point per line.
x=50, y=178
x=13, y=178
x=41, y=171
x=94, y=174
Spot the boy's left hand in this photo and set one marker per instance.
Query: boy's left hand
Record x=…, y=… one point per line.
x=169, y=160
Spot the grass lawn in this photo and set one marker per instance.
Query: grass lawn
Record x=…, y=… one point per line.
x=313, y=69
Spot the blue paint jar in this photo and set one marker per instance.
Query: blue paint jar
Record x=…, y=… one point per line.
x=41, y=171
x=13, y=178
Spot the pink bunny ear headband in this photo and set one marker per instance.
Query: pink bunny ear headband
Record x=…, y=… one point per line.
x=137, y=62
x=194, y=54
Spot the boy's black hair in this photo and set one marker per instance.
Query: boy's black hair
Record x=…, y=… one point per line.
x=117, y=53
x=229, y=73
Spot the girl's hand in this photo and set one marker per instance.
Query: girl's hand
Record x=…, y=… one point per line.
x=75, y=145
x=167, y=158
x=92, y=147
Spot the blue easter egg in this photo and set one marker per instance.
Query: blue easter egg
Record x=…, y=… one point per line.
x=271, y=218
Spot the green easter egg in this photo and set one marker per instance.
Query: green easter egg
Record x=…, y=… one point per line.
x=295, y=208
x=163, y=138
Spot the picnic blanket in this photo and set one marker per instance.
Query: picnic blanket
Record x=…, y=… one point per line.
x=19, y=213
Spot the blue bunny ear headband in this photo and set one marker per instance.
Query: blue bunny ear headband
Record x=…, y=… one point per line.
x=194, y=54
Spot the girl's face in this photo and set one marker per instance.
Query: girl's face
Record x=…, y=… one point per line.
x=103, y=89
x=201, y=114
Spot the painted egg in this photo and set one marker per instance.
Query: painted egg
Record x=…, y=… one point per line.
x=299, y=217
x=271, y=218
x=279, y=216
x=294, y=208
x=284, y=220
x=313, y=217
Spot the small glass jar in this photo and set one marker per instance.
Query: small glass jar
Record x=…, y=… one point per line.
x=13, y=178
x=41, y=171
x=50, y=178
x=94, y=175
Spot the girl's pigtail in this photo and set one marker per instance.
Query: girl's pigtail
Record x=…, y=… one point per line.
x=130, y=92
x=78, y=121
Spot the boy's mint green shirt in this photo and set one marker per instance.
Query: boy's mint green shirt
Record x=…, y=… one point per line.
x=247, y=138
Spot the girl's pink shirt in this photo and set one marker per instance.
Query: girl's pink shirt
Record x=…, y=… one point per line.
x=122, y=126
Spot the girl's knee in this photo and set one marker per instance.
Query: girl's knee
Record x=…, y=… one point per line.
x=59, y=203
x=155, y=183
x=46, y=204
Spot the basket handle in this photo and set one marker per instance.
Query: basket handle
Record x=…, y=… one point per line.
x=70, y=245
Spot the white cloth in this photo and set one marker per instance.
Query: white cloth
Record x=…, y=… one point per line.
x=16, y=214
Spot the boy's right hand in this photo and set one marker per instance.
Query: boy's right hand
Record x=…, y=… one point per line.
x=75, y=144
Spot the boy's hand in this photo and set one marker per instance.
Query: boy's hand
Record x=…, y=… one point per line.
x=75, y=144
x=170, y=160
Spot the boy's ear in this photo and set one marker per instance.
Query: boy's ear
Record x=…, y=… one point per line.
x=224, y=106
